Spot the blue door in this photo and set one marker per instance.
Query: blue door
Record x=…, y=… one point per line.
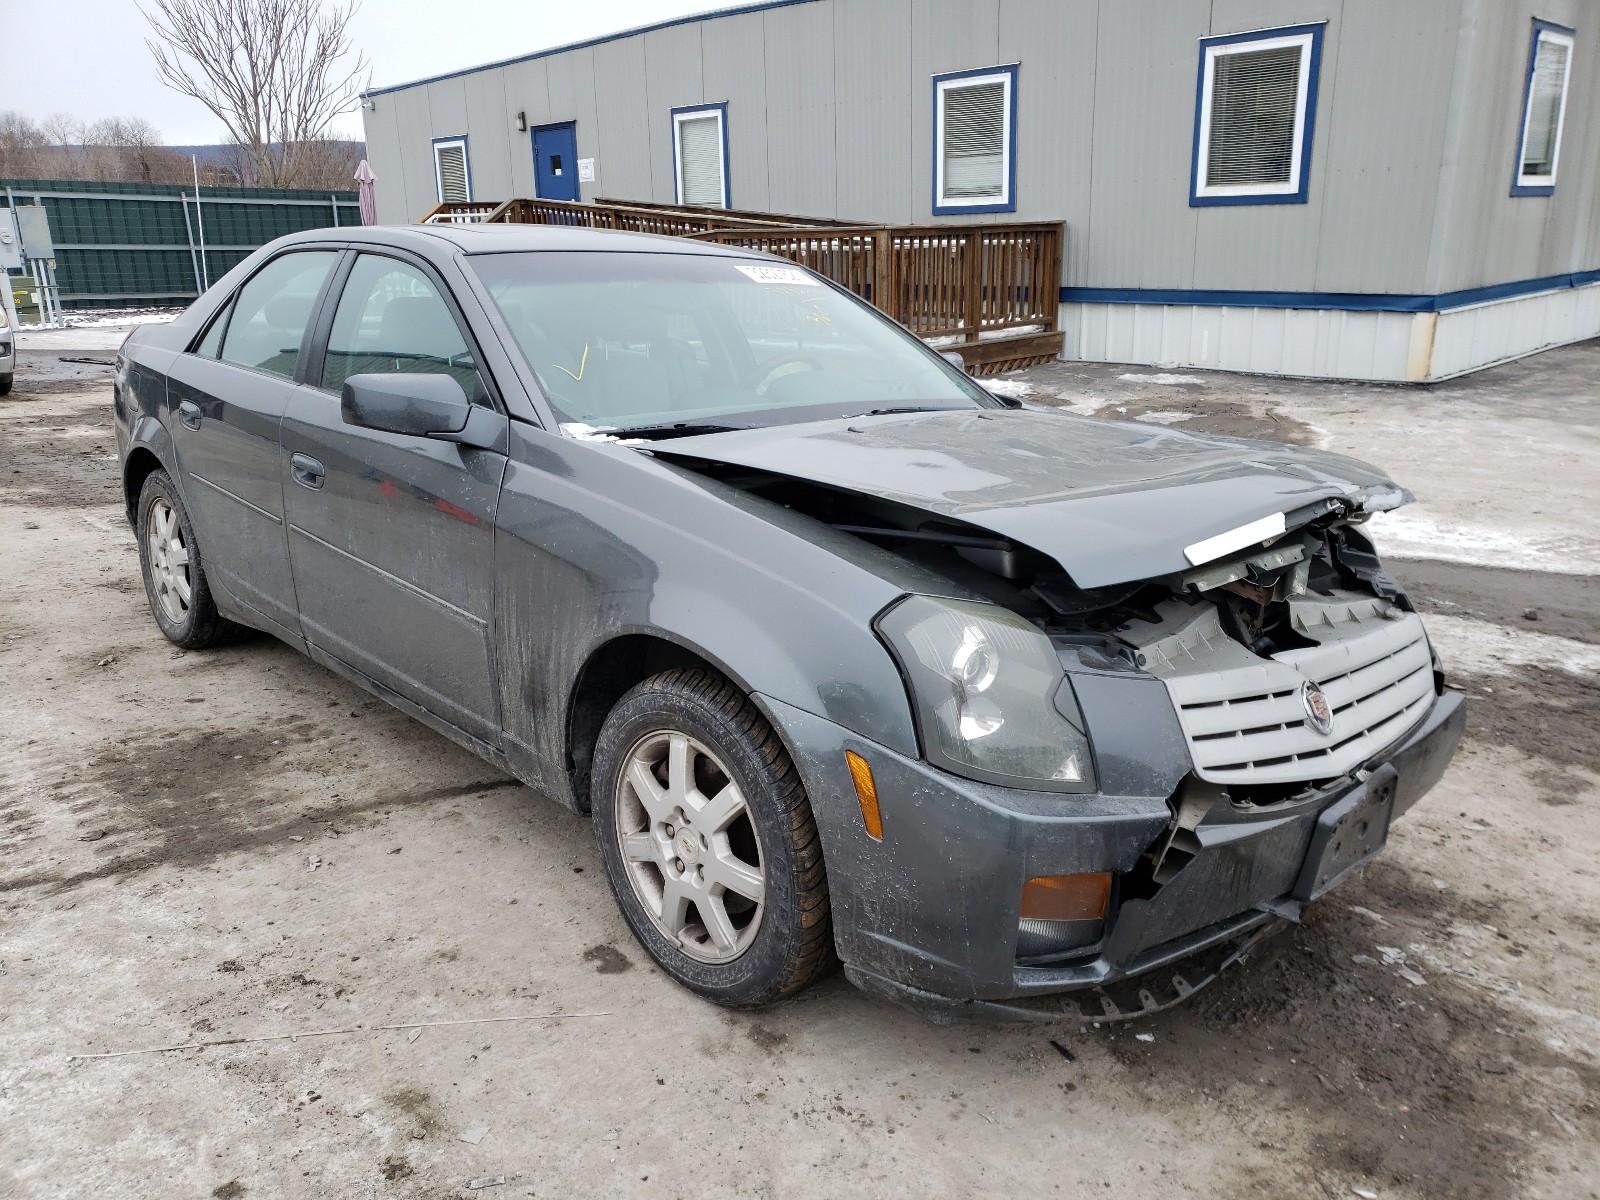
x=555, y=161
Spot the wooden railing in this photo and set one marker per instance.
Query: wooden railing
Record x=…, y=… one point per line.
x=765, y=218
x=459, y=212
x=957, y=281
x=989, y=292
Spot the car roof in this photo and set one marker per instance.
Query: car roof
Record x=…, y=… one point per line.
x=501, y=239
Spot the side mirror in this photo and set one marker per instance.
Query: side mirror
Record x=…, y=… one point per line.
x=955, y=360
x=420, y=405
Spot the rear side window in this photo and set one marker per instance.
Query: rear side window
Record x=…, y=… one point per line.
x=392, y=319
x=210, y=346
x=273, y=309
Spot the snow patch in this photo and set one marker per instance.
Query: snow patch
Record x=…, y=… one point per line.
x=1480, y=646
x=1412, y=534
x=1163, y=378
x=1014, y=389
x=1163, y=418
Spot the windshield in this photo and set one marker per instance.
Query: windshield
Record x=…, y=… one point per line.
x=625, y=341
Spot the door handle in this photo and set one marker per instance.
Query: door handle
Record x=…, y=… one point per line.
x=189, y=414
x=307, y=471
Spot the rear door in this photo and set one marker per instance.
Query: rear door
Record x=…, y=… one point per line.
x=555, y=161
x=228, y=394
x=391, y=536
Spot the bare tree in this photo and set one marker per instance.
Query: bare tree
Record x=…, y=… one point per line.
x=276, y=73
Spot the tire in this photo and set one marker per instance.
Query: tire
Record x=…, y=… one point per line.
x=164, y=533
x=5, y=385
x=756, y=952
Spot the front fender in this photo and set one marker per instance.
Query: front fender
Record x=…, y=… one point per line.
x=595, y=542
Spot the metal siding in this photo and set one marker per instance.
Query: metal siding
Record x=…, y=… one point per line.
x=416, y=150
x=733, y=65
x=804, y=162
x=386, y=156
x=1054, y=40
x=623, y=120
x=1379, y=149
x=572, y=98
x=1143, y=230
x=1483, y=234
x=874, y=95
x=946, y=35
x=1267, y=246
x=492, y=129
x=673, y=80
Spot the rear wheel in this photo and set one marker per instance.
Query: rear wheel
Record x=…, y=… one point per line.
x=708, y=841
x=174, y=575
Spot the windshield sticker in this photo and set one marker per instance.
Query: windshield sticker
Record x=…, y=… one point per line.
x=790, y=275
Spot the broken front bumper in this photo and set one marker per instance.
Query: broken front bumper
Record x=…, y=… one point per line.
x=929, y=916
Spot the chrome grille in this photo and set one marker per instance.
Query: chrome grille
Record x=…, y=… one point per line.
x=1243, y=715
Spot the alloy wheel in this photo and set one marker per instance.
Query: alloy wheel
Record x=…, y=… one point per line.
x=689, y=847
x=169, y=561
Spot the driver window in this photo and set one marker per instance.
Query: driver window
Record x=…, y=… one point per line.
x=391, y=319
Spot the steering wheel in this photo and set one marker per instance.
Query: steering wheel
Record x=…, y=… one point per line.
x=768, y=373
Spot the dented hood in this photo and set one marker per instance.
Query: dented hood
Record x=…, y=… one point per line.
x=1110, y=501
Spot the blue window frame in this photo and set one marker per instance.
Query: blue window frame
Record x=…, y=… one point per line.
x=700, y=155
x=452, y=169
x=974, y=141
x=1254, y=113
x=1544, y=110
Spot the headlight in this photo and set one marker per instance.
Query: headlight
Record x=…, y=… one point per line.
x=991, y=700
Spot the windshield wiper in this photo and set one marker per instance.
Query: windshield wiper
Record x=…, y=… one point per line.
x=674, y=429
x=908, y=408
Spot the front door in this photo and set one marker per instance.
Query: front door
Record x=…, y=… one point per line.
x=228, y=397
x=391, y=536
x=555, y=161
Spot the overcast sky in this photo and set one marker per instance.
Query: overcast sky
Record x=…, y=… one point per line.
x=88, y=57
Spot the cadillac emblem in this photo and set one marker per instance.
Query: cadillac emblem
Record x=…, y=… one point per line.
x=1319, y=713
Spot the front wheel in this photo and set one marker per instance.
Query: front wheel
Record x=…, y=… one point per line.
x=174, y=575
x=5, y=385
x=708, y=841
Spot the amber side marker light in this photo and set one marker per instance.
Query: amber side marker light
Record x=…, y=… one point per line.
x=1066, y=897
x=866, y=793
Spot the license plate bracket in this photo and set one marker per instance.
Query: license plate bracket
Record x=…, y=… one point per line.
x=1349, y=834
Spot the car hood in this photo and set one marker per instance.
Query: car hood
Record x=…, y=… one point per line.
x=1109, y=501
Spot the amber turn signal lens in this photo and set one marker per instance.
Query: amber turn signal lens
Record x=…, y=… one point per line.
x=1066, y=897
x=866, y=793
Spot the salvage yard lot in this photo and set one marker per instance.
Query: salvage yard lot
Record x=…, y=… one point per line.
x=236, y=844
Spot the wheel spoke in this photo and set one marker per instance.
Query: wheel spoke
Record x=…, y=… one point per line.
x=715, y=916
x=181, y=586
x=641, y=847
x=675, y=900
x=178, y=555
x=649, y=792
x=736, y=876
x=717, y=813
x=677, y=767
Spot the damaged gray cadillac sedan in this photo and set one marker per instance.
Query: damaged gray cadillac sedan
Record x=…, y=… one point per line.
x=1016, y=713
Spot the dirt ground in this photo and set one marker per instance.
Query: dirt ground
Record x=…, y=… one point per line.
x=239, y=845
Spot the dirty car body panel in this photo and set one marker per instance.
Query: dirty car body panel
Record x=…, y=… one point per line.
x=1205, y=606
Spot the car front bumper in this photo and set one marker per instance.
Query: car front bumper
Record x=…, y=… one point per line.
x=929, y=916
x=8, y=355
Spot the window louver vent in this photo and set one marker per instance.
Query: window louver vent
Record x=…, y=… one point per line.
x=452, y=162
x=700, y=161
x=1544, y=108
x=974, y=141
x=1254, y=97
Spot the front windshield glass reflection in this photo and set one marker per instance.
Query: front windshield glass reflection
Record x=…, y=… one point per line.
x=624, y=341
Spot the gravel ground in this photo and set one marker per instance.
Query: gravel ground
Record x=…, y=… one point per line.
x=239, y=845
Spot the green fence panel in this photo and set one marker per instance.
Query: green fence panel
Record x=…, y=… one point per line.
x=129, y=244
